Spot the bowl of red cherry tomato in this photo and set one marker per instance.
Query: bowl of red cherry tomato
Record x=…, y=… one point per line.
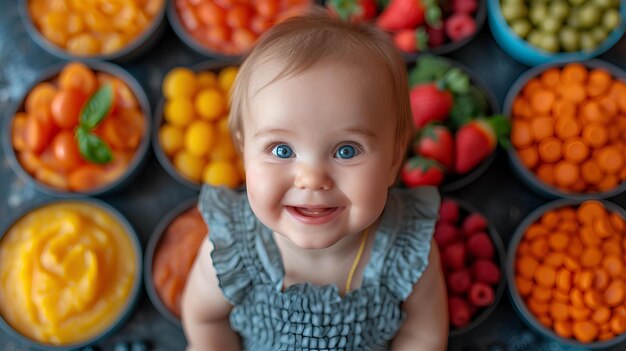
x=81, y=129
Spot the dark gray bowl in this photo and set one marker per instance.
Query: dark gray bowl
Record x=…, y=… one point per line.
x=130, y=52
x=517, y=301
x=520, y=169
x=132, y=299
x=159, y=120
x=134, y=166
x=153, y=243
x=466, y=208
x=455, y=182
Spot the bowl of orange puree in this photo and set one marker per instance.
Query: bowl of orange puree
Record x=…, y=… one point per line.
x=70, y=274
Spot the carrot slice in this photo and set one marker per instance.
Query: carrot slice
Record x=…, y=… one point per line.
x=562, y=108
x=521, y=134
x=566, y=127
x=531, y=87
x=595, y=135
x=574, y=93
x=521, y=108
x=529, y=156
x=575, y=150
x=541, y=101
x=550, y=150
x=551, y=78
x=542, y=127
x=590, y=172
x=599, y=82
x=566, y=174
x=574, y=73
x=610, y=160
x=545, y=173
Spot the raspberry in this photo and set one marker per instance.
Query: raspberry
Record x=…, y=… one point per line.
x=464, y=6
x=460, y=26
x=455, y=255
x=485, y=271
x=458, y=311
x=459, y=281
x=480, y=245
x=449, y=211
x=473, y=223
x=436, y=37
x=481, y=295
x=445, y=234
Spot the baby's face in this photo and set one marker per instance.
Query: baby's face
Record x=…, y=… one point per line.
x=319, y=154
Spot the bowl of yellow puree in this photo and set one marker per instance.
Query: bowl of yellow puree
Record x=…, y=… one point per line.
x=70, y=274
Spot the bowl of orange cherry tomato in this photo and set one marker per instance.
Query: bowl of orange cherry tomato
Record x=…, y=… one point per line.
x=170, y=254
x=568, y=129
x=81, y=129
x=566, y=272
x=191, y=137
x=94, y=30
x=227, y=29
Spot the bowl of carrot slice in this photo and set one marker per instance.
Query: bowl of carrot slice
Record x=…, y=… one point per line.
x=81, y=129
x=566, y=272
x=568, y=129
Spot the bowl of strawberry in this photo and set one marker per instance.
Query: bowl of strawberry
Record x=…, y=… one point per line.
x=457, y=126
x=472, y=255
x=418, y=26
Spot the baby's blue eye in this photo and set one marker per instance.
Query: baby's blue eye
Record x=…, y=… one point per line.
x=282, y=151
x=346, y=152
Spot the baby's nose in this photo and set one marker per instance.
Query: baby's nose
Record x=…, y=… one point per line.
x=312, y=177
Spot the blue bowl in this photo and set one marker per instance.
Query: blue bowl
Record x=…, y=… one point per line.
x=133, y=167
x=525, y=174
x=139, y=46
x=132, y=297
x=516, y=299
x=530, y=55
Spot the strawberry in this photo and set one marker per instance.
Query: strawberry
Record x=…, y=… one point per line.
x=449, y=211
x=477, y=139
x=436, y=36
x=460, y=26
x=421, y=171
x=401, y=14
x=430, y=102
x=459, y=281
x=445, y=234
x=480, y=246
x=355, y=11
x=465, y=6
x=481, y=295
x=485, y=271
x=473, y=223
x=436, y=142
x=411, y=40
x=458, y=311
x=455, y=255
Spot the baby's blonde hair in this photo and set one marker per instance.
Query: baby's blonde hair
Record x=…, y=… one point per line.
x=302, y=42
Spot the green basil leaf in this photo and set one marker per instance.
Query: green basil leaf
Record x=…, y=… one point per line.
x=91, y=147
x=97, y=107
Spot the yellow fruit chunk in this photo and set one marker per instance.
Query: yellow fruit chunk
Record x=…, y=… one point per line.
x=189, y=165
x=179, y=111
x=179, y=82
x=226, y=78
x=210, y=104
x=171, y=139
x=223, y=149
x=207, y=79
x=221, y=173
x=200, y=138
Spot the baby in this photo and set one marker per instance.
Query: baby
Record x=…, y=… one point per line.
x=319, y=252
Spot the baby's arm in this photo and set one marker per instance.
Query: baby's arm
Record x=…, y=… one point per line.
x=426, y=325
x=205, y=310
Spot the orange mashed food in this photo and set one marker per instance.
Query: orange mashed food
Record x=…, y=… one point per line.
x=67, y=271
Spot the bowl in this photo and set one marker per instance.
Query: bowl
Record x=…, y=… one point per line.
x=131, y=50
x=464, y=209
x=520, y=305
x=160, y=121
x=530, y=55
x=523, y=172
x=134, y=286
x=132, y=167
x=206, y=13
x=454, y=182
x=152, y=250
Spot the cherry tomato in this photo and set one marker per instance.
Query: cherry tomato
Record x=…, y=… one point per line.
x=37, y=134
x=77, y=76
x=239, y=16
x=66, y=107
x=218, y=35
x=243, y=39
x=260, y=24
x=65, y=150
x=18, y=135
x=40, y=97
x=86, y=177
x=211, y=14
x=267, y=8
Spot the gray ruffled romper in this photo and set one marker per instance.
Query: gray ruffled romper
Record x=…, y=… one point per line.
x=311, y=317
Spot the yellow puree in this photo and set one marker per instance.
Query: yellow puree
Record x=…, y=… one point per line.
x=67, y=271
